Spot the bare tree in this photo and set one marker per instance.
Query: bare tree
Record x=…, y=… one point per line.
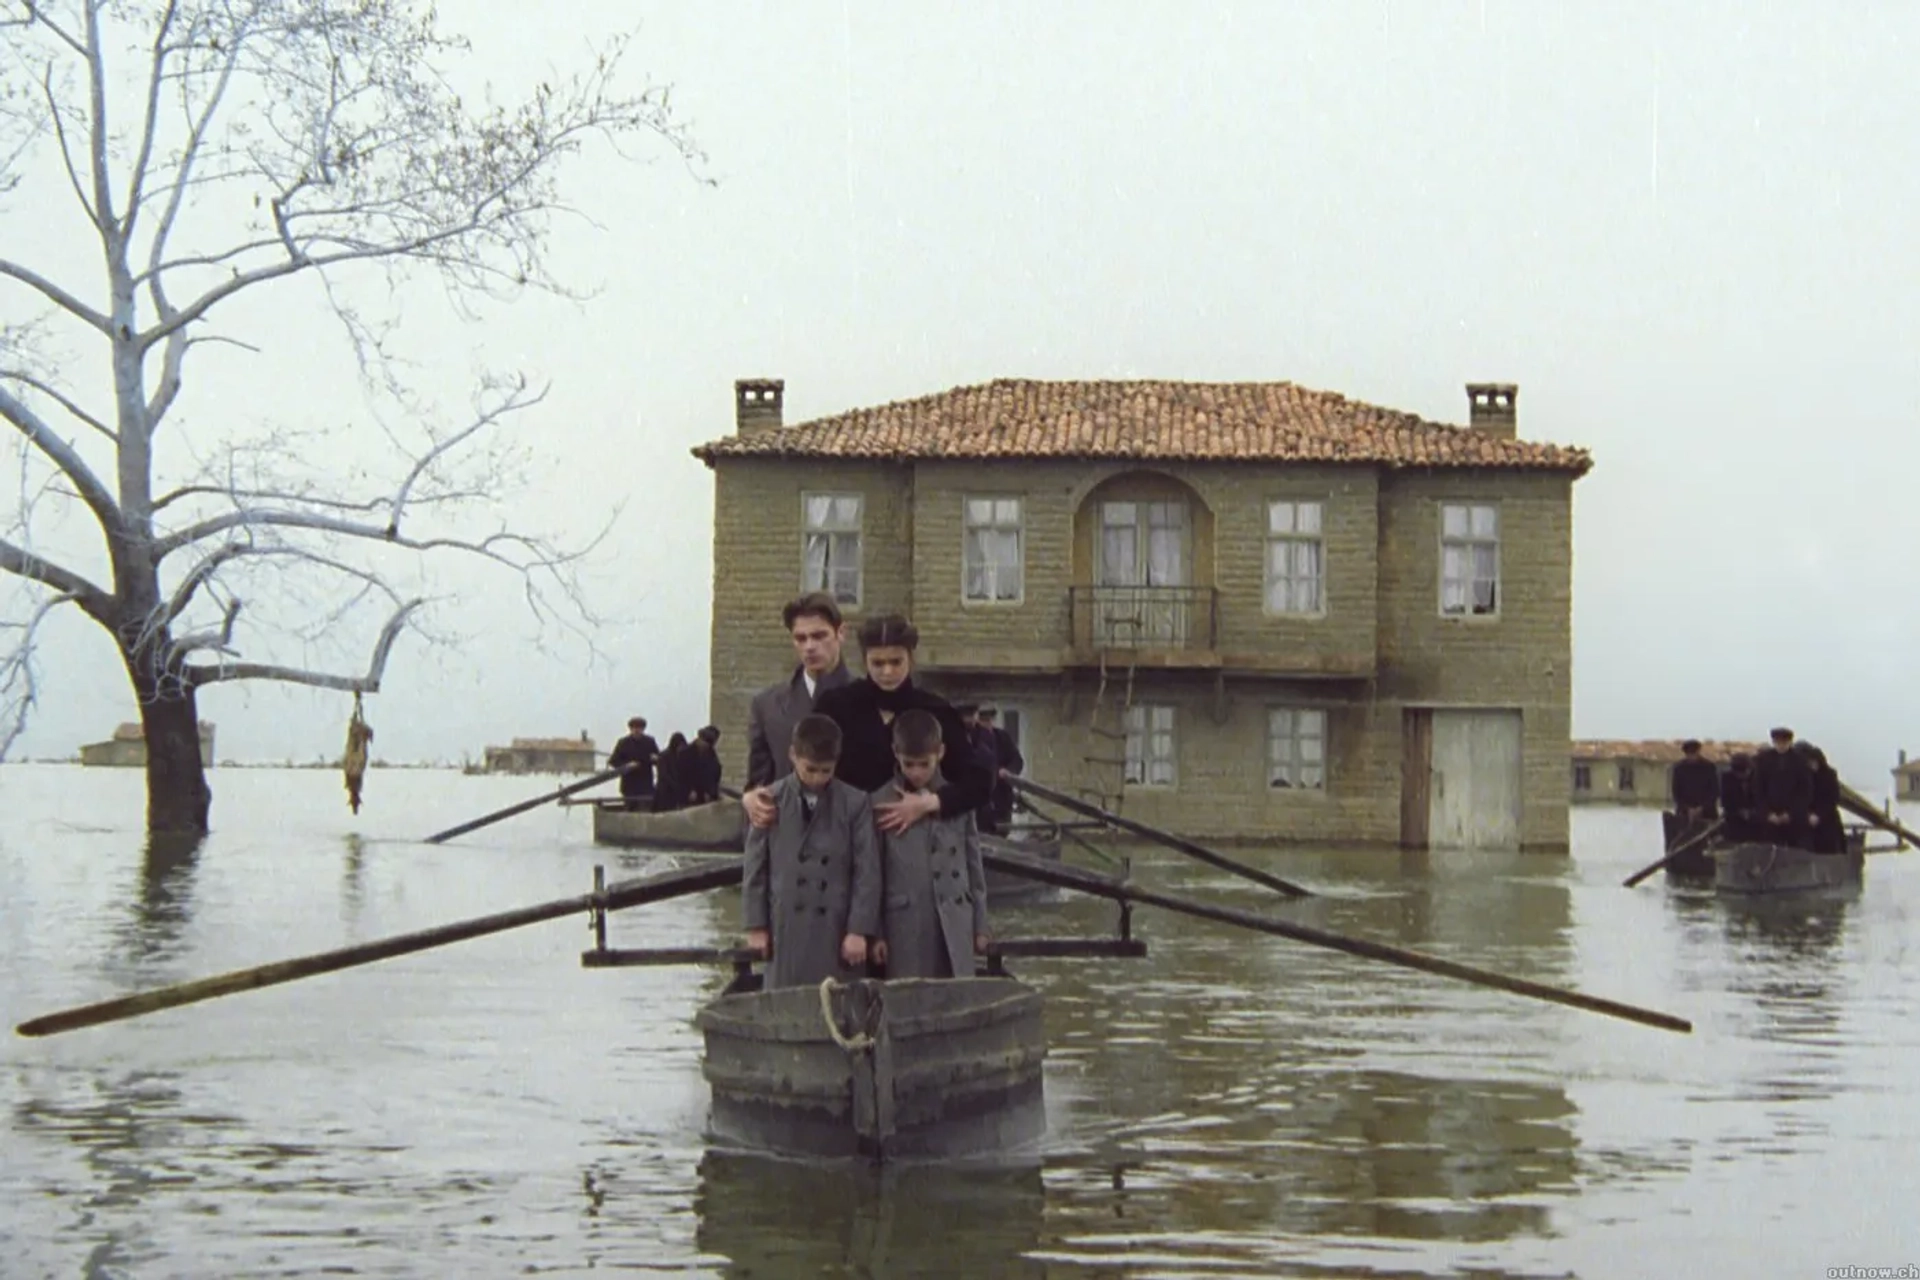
x=219, y=148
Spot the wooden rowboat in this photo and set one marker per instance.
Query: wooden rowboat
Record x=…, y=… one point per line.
x=720, y=828
x=1749, y=868
x=706, y=828
x=1694, y=864
x=910, y=1069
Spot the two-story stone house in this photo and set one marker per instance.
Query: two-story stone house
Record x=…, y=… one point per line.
x=1240, y=609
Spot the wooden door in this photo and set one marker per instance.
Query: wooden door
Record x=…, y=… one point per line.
x=1475, y=801
x=1416, y=777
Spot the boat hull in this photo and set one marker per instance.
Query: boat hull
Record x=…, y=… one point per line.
x=1749, y=869
x=931, y=1069
x=711, y=828
x=1694, y=864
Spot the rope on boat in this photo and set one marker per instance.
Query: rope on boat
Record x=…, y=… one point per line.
x=860, y=1041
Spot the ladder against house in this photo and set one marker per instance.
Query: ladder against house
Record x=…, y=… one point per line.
x=1106, y=757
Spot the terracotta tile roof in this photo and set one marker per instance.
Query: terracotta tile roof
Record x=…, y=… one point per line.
x=1193, y=421
x=1658, y=750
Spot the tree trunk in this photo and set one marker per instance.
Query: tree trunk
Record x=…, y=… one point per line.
x=178, y=798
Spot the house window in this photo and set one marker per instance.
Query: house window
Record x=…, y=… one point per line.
x=1296, y=564
x=1149, y=746
x=1297, y=748
x=830, y=559
x=1583, y=777
x=993, y=553
x=1626, y=778
x=1469, y=559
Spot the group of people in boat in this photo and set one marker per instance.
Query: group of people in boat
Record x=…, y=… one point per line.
x=1786, y=794
x=680, y=776
x=865, y=800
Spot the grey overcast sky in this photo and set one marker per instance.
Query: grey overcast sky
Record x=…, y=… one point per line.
x=1685, y=229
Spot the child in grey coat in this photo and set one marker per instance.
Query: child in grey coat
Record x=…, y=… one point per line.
x=935, y=889
x=812, y=880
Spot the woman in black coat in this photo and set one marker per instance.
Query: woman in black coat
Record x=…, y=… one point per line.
x=865, y=709
x=670, y=790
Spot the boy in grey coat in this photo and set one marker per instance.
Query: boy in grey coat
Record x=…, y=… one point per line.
x=935, y=918
x=812, y=880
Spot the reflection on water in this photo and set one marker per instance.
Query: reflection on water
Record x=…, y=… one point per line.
x=774, y=1218
x=163, y=906
x=1234, y=1104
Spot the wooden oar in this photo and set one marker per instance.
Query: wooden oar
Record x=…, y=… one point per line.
x=525, y=805
x=1177, y=843
x=629, y=893
x=1862, y=808
x=1087, y=882
x=1068, y=831
x=1684, y=846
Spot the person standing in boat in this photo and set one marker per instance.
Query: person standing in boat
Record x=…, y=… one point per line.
x=1738, y=798
x=1783, y=790
x=933, y=884
x=814, y=625
x=670, y=790
x=865, y=711
x=1694, y=782
x=981, y=742
x=700, y=768
x=639, y=750
x=1007, y=761
x=1825, y=834
x=811, y=881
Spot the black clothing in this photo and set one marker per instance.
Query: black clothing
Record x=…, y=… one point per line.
x=1009, y=758
x=1828, y=836
x=637, y=749
x=1783, y=786
x=1739, y=802
x=700, y=773
x=1696, y=785
x=986, y=749
x=866, y=742
x=669, y=793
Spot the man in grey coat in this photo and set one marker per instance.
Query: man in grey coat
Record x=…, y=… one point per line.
x=817, y=629
x=935, y=916
x=811, y=886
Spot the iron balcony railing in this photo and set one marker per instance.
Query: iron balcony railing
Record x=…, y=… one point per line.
x=1144, y=617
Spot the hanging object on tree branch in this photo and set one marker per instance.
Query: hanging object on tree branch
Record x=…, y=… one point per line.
x=354, y=762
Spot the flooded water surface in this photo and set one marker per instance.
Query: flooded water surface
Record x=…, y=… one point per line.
x=1234, y=1104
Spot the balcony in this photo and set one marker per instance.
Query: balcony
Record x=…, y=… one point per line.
x=1181, y=623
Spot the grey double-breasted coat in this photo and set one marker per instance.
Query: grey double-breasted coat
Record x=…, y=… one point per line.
x=935, y=893
x=812, y=881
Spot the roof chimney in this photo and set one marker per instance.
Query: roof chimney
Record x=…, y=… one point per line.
x=756, y=404
x=1903, y=759
x=1491, y=408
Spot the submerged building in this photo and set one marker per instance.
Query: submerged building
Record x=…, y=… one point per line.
x=1232, y=609
x=127, y=748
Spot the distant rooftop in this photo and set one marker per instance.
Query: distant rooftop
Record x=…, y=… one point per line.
x=1658, y=750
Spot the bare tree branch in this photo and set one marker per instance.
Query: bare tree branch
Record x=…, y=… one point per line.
x=19, y=684
x=57, y=116
x=62, y=455
x=100, y=142
x=58, y=296
x=201, y=675
x=48, y=390
x=20, y=562
x=150, y=125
